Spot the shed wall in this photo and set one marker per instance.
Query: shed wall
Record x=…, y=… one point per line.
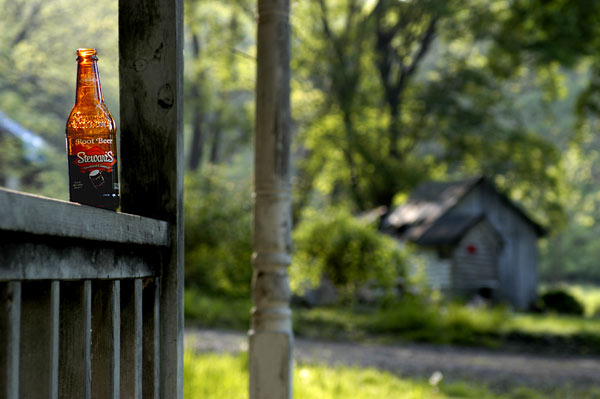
x=475, y=260
x=517, y=261
x=435, y=270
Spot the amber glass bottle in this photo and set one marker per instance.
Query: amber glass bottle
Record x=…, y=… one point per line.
x=91, y=140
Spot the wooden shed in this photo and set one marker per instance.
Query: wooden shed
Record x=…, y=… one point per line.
x=476, y=240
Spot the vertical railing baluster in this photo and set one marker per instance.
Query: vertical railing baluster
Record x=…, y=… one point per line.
x=39, y=340
x=74, y=343
x=131, y=339
x=54, y=334
x=10, y=317
x=105, y=346
x=151, y=339
x=87, y=291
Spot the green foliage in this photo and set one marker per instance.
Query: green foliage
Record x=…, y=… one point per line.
x=349, y=252
x=218, y=232
x=37, y=60
x=220, y=312
x=549, y=30
x=588, y=295
x=400, y=92
x=218, y=79
x=415, y=319
x=560, y=301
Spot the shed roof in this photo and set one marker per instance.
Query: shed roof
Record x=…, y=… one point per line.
x=427, y=207
x=32, y=143
x=448, y=229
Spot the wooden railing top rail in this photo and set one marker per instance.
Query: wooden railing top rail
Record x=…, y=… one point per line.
x=26, y=213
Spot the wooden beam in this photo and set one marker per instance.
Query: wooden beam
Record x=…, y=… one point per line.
x=28, y=213
x=49, y=259
x=271, y=338
x=151, y=138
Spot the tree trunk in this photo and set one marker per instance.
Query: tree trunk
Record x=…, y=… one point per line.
x=215, y=148
x=349, y=155
x=271, y=338
x=198, y=136
x=394, y=127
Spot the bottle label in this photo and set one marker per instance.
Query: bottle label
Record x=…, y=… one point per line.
x=92, y=171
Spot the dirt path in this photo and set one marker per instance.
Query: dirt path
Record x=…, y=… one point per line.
x=487, y=366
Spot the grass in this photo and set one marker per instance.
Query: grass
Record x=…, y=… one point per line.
x=561, y=325
x=215, y=376
x=421, y=321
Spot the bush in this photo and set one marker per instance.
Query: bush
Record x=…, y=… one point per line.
x=216, y=312
x=560, y=301
x=218, y=232
x=350, y=253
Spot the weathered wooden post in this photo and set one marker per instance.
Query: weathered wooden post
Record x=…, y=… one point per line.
x=151, y=76
x=271, y=338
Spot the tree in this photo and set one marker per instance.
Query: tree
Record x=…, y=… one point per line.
x=407, y=93
x=562, y=37
x=219, y=78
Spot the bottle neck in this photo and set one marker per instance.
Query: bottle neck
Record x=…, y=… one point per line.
x=88, y=90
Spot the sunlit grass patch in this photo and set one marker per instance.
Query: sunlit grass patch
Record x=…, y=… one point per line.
x=214, y=376
x=552, y=324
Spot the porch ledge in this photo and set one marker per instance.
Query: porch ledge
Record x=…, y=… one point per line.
x=26, y=213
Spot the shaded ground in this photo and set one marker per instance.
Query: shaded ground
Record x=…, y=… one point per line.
x=485, y=366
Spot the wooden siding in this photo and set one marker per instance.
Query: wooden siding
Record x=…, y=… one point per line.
x=438, y=271
x=476, y=268
x=517, y=261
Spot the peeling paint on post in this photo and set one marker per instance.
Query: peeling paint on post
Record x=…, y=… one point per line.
x=271, y=338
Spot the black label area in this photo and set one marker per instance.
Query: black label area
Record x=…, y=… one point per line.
x=93, y=186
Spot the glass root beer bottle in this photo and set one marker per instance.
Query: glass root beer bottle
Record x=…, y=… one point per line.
x=91, y=140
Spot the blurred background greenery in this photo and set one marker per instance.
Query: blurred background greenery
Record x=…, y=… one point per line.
x=385, y=95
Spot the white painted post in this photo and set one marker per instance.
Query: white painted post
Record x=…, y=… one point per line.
x=271, y=337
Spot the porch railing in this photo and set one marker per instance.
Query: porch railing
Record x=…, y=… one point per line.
x=79, y=298
x=91, y=301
